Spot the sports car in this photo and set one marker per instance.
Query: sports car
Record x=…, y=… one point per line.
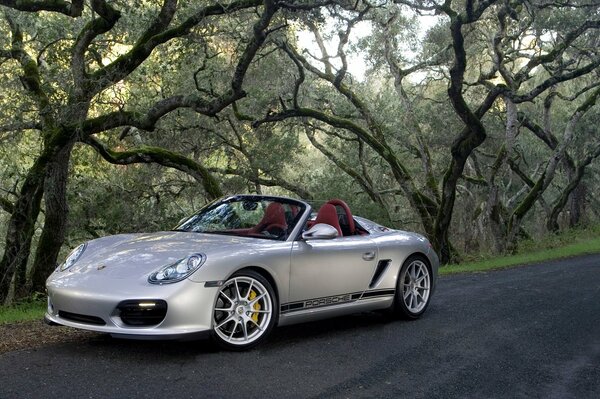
x=239, y=267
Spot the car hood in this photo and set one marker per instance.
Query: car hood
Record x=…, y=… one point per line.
x=138, y=255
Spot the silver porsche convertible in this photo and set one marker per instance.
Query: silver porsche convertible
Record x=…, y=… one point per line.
x=238, y=268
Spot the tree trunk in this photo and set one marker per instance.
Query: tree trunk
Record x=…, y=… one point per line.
x=21, y=228
x=471, y=137
x=559, y=155
x=562, y=200
x=576, y=202
x=493, y=205
x=495, y=223
x=55, y=222
x=440, y=235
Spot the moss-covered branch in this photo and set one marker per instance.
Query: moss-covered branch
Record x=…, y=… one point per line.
x=360, y=178
x=413, y=125
x=547, y=137
x=106, y=20
x=30, y=77
x=163, y=157
x=147, y=121
x=478, y=181
x=558, y=49
x=548, y=175
x=270, y=181
x=527, y=203
x=341, y=123
x=340, y=86
x=73, y=8
x=157, y=35
x=555, y=79
x=522, y=175
x=16, y=127
x=6, y=205
x=561, y=201
x=424, y=205
x=209, y=107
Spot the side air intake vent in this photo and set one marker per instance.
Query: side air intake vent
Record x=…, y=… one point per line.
x=382, y=266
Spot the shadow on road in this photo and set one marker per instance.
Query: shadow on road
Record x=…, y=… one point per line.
x=281, y=337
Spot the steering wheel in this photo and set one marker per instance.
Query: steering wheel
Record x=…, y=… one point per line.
x=275, y=229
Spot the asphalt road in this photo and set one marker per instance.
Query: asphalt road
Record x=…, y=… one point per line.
x=532, y=331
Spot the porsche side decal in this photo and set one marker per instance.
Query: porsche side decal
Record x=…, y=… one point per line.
x=334, y=300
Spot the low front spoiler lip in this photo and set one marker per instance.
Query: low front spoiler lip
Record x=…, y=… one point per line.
x=50, y=322
x=180, y=336
x=190, y=336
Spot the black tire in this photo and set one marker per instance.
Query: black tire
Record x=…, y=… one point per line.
x=413, y=293
x=241, y=322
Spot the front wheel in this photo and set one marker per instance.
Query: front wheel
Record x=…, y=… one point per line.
x=244, y=312
x=413, y=289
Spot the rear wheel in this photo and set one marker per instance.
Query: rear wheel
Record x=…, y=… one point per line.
x=245, y=311
x=413, y=290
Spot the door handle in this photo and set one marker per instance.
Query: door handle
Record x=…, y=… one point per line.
x=369, y=255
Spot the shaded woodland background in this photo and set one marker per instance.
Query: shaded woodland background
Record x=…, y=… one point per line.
x=474, y=122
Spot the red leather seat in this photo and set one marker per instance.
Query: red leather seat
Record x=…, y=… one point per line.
x=346, y=220
x=328, y=215
x=274, y=215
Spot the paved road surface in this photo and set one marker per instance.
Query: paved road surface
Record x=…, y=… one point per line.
x=532, y=331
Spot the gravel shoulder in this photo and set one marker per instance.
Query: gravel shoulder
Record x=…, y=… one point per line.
x=36, y=334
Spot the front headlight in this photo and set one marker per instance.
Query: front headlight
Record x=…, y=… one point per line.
x=73, y=257
x=177, y=271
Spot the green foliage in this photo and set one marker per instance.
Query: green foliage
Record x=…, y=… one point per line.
x=107, y=199
x=556, y=246
x=26, y=310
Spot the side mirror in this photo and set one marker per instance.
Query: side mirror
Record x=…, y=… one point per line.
x=320, y=231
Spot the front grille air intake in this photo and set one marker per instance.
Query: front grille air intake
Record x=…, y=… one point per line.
x=142, y=312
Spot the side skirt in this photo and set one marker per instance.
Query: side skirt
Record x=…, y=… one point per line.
x=339, y=305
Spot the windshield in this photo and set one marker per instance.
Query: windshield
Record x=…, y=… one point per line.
x=247, y=216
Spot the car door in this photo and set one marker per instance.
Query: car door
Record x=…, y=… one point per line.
x=324, y=268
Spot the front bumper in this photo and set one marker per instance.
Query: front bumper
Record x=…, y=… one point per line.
x=189, y=307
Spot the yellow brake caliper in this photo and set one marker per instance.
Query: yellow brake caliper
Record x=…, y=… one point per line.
x=256, y=306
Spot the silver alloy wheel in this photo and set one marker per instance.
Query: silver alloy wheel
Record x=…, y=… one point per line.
x=243, y=311
x=416, y=284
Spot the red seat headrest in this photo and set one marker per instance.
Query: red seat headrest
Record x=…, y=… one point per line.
x=328, y=215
